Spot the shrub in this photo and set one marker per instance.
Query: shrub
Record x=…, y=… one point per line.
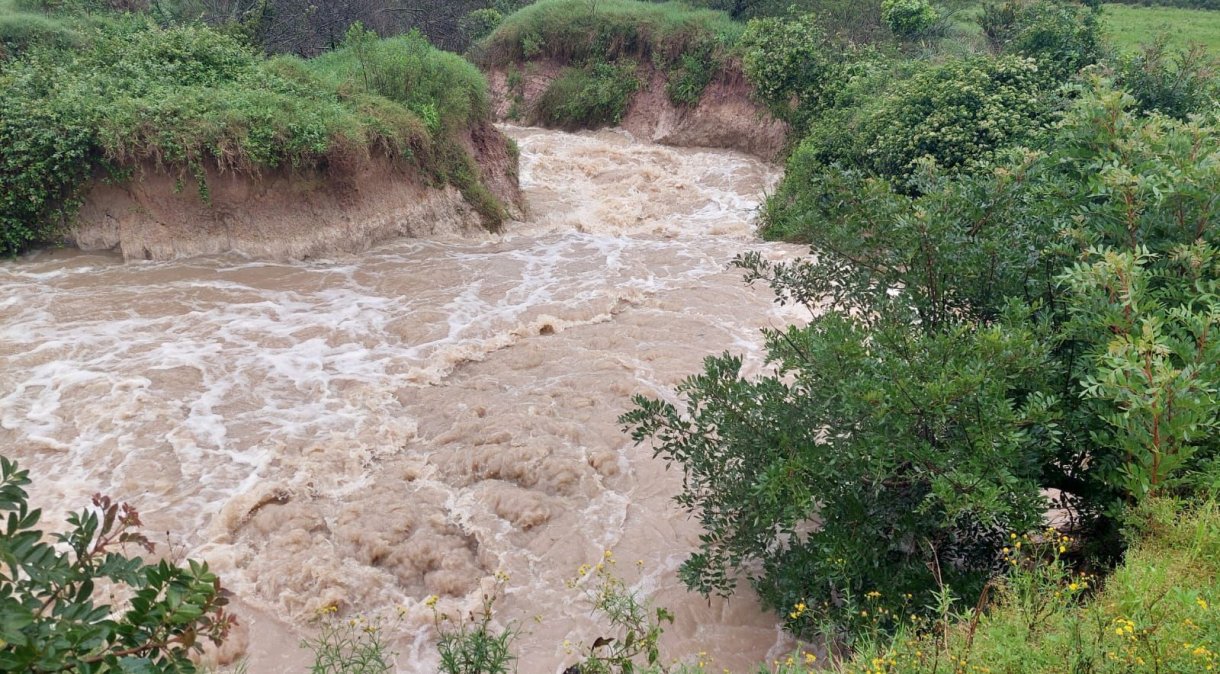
x=689, y=77
x=1155, y=376
x=792, y=66
x=1044, y=325
x=48, y=593
x=1175, y=83
x=857, y=470
x=908, y=18
x=577, y=32
x=478, y=24
x=46, y=153
x=587, y=98
x=689, y=46
x=1155, y=613
x=1061, y=37
x=958, y=115
x=408, y=70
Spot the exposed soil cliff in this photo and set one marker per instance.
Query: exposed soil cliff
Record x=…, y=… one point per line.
x=725, y=117
x=284, y=214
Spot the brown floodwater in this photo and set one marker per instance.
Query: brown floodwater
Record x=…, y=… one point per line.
x=369, y=430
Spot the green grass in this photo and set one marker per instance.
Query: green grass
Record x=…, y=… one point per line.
x=21, y=28
x=1129, y=26
x=442, y=88
x=1159, y=611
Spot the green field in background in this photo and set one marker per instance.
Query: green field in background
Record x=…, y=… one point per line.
x=1128, y=26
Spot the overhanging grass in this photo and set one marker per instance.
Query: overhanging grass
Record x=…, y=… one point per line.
x=576, y=31
x=1130, y=26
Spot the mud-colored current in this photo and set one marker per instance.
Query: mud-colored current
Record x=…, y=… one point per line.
x=369, y=430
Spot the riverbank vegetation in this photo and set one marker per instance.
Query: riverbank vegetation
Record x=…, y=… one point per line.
x=95, y=95
x=1013, y=297
x=607, y=52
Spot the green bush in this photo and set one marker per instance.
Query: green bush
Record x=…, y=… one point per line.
x=792, y=66
x=480, y=23
x=587, y=98
x=908, y=18
x=409, y=71
x=1061, y=37
x=577, y=32
x=689, y=77
x=1155, y=613
x=48, y=593
x=957, y=114
x=889, y=117
x=691, y=47
x=1175, y=83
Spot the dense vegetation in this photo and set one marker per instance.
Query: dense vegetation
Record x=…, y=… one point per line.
x=1014, y=293
x=1155, y=612
x=106, y=93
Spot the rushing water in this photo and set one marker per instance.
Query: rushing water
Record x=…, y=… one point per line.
x=369, y=430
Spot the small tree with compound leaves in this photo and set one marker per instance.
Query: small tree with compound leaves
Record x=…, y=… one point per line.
x=52, y=616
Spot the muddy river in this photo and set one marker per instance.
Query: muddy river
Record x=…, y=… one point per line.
x=366, y=431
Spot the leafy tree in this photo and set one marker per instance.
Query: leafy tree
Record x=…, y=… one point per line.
x=51, y=620
x=957, y=114
x=479, y=23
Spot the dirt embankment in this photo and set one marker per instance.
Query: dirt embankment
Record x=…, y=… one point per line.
x=725, y=117
x=284, y=214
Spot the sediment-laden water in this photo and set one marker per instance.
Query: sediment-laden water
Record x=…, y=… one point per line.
x=370, y=430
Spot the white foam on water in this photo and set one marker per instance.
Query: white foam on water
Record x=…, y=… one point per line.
x=368, y=430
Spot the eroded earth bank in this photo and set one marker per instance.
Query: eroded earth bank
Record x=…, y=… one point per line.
x=369, y=430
